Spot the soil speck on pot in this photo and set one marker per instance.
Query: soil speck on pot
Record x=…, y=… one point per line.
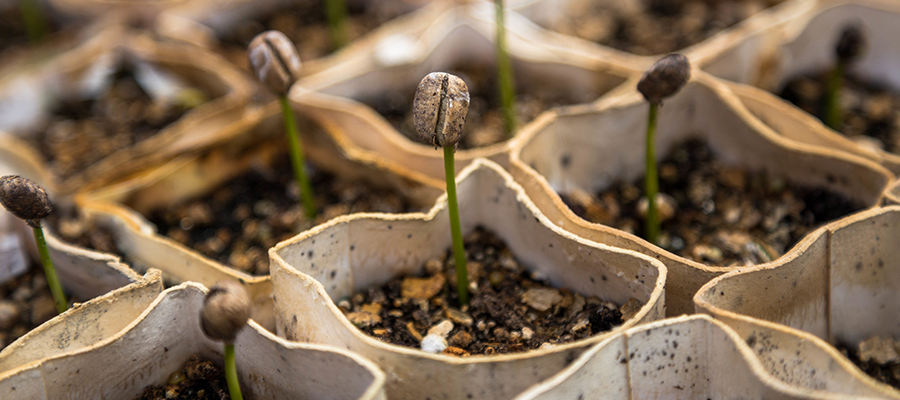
x=723, y=215
x=509, y=310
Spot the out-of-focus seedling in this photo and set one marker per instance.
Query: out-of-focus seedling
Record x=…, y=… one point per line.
x=277, y=65
x=336, y=11
x=226, y=310
x=28, y=201
x=33, y=17
x=849, y=47
x=439, y=113
x=507, y=85
x=662, y=80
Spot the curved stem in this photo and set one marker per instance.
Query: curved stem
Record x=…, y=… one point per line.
x=459, y=252
x=50, y=273
x=651, y=182
x=505, y=75
x=234, y=387
x=290, y=128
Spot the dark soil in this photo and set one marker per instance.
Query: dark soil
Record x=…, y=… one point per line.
x=723, y=215
x=240, y=220
x=655, y=26
x=484, y=122
x=82, y=132
x=198, y=380
x=869, y=108
x=500, y=317
x=13, y=33
x=305, y=23
x=888, y=374
x=72, y=228
x=25, y=303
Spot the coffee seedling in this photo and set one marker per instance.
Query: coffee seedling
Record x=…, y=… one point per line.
x=28, y=201
x=662, y=80
x=439, y=113
x=336, y=13
x=33, y=18
x=275, y=62
x=505, y=74
x=848, y=49
x=226, y=310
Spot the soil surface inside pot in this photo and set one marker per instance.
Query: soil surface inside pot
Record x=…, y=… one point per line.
x=70, y=227
x=13, y=31
x=238, y=222
x=652, y=27
x=305, y=23
x=510, y=309
x=887, y=373
x=25, y=303
x=198, y=380
x=719, y=215
x=83, y=132
x=870, y=110
x=484, y=121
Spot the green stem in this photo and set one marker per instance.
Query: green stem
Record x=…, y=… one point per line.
x=651, y=182
x=50, y=273
x=33, y=17
x=505, y=75
x=234, y=387
x=336, y=11
x=290, y=128
x=833, y=114
x=459, y=252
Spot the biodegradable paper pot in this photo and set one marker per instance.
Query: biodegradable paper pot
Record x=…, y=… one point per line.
x=840, y=284
x=891, y=195
x=162, y=339
x=356, y=252
x=462, y=35
x=805, y=44
x=256, y=139
x=84, y=324
x=82, y=71
x=727, y=52
x=697, y=357
x=589, y=148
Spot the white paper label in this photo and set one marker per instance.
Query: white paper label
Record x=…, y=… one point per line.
x=12, y=257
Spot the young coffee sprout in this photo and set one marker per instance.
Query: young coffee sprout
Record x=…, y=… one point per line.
x=226, y=310
x=507, y=85
x=663, y=79
x=33, y=17
x=439, y=113
x=849, y=47
x=28, y=201
x=275, y=62
x=336, y=11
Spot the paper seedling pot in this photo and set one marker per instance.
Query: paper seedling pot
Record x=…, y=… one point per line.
x=98, y=8
x=891, y=195
x=459, y=36
x=352, y=253
x=83, y=71
x=840, y=284
x=255, y=139
x=695, y=357
x=167, y=333
x=83, y=325
x=591, y=147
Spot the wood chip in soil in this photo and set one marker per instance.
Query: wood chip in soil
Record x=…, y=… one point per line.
x=199, y=379
x=718, y=214
x=25, y=303
x=484, y=121
x=511, y=310
x=654, y=27
x=83, y=132
x=305, y=24
x=238, y=222
x=870, y=110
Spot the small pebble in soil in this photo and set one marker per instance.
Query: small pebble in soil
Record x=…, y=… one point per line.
x=721, y=215
x=654, y=27
x=508, y=312
x=198, y=380
x=240, y=220
x=871, y=112
x=879, y=357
